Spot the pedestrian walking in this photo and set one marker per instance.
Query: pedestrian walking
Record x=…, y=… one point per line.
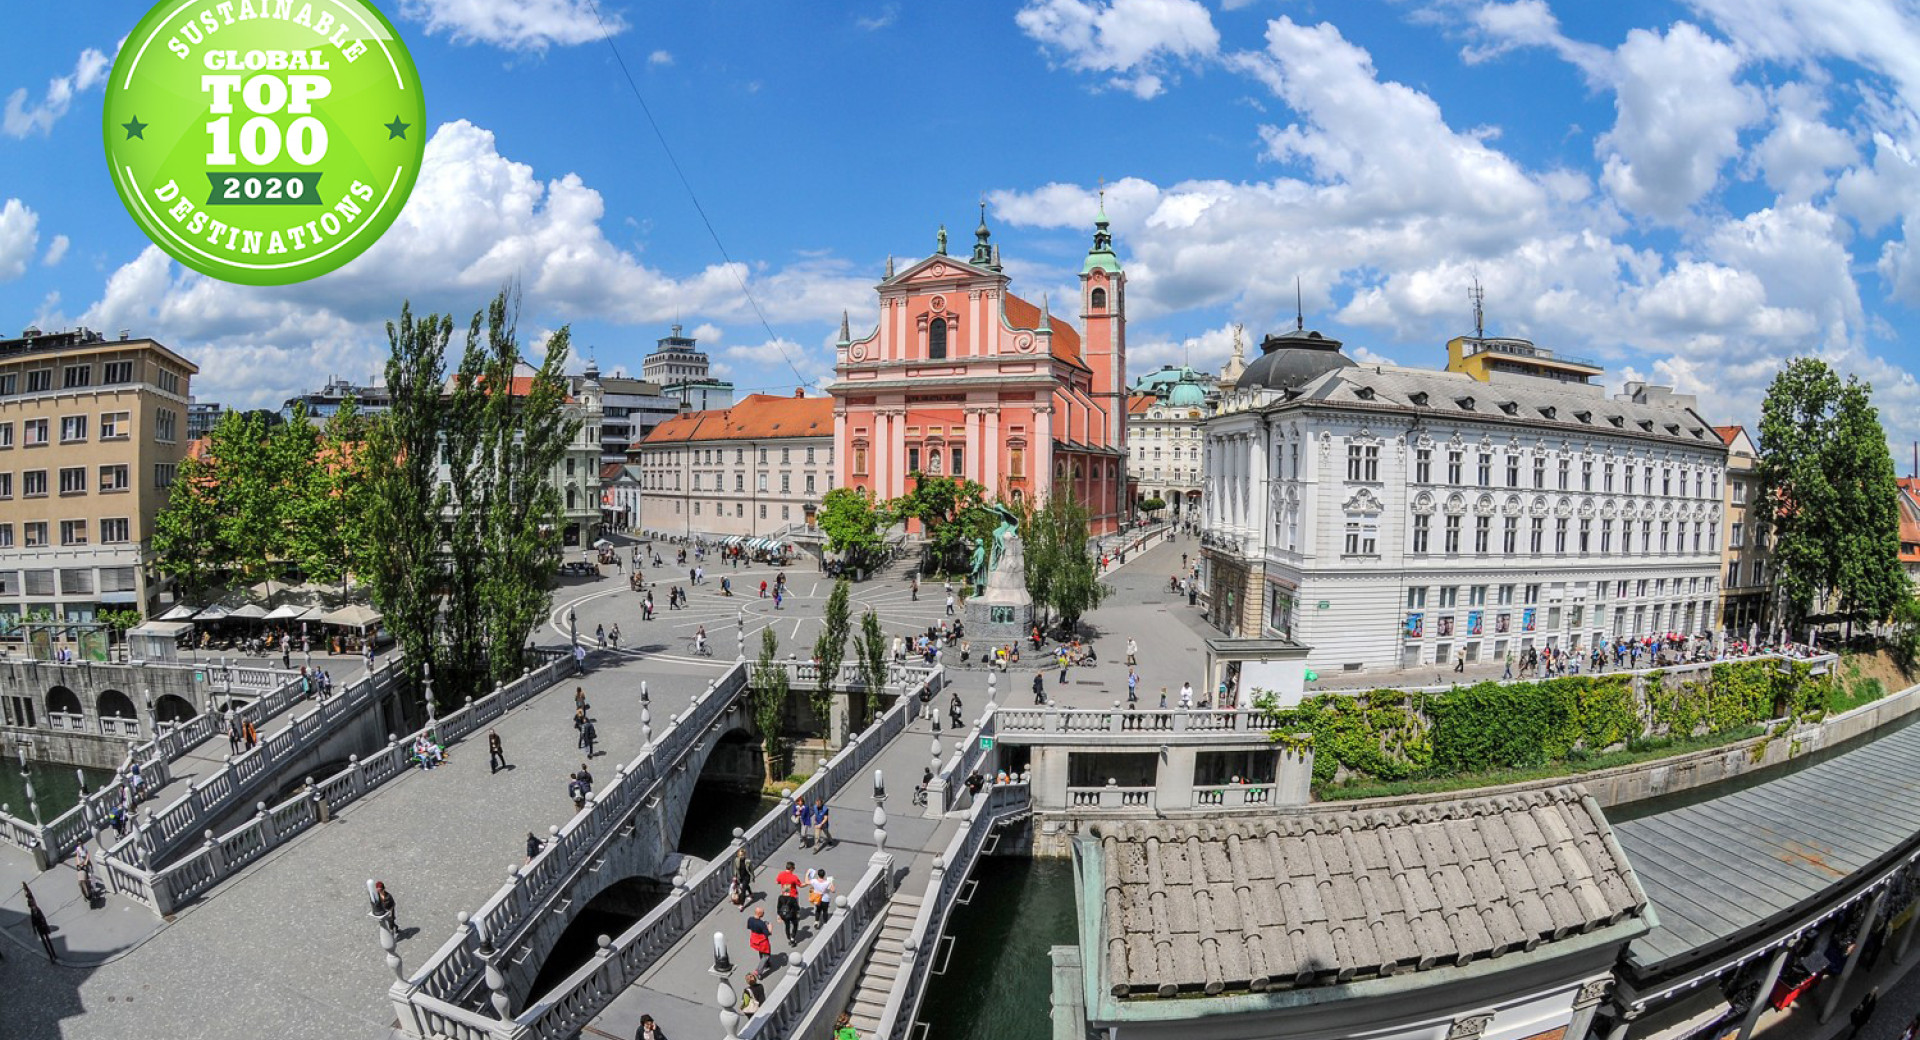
x=40, y=926
x=384, y=909
x=600, y=636
x=1133, y=650
x=1186, y=695
x=1163, y=697
x=1460, y=660
x=1863, y=1012
x=1133, y=688
x=496, y=755
x=949, y=604
x=820, y=824
x=843, y=1028
x=251, y=735
x=233, y=736
x=1039, y=689
x=588, y=734
x=820, y=894
x=577, y=792
x=752, y=995
x=760, y=937
x=787, y=906
x=649, y=1030
x=742, y=878
x=614, y=634
x=579, y=658
x=83, y=873
x=534, y=845
x=806, y=822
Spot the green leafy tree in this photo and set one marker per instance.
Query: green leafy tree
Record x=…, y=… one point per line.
x=118, y=621
x=1063, y=573
x=952, y=511
x=186, y=533
x=870, y=655
x=334, y=499
x=853, y=525
x=831, y=649
x=1827, y=496
x=1904, y=638
x=768, y=688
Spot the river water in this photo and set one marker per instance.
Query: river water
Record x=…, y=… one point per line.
x=54, y=786
x=999, y=972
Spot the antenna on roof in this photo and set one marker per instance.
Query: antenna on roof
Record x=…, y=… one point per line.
x=1299, y=311
x=1478, y=296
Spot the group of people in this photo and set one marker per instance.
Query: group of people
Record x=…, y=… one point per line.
x=428, y=752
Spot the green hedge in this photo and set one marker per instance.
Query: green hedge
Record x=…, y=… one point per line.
x=1385, y=736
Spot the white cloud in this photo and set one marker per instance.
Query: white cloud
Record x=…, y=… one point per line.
x=1135, y=41
x=770, y=366
x=1801, y=150
x=1679, y=112
x=476, y=221
x=887, y=15
x=1530, y=23
x=22, y=118
x=56, y=251
x=522, y=25
x=660, y=58
x=19, y=234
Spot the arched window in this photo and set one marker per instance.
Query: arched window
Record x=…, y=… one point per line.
x=1098, y=299
x=937, y=338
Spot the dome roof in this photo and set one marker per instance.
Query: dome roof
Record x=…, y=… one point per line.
x=1187, y=393
x=1292, y=360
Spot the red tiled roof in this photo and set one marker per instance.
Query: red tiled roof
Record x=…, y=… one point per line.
x=755, y=417
x=1139, y=403
x=1909, y=520
x=1727, y=434
x=610, y=471
x=1066, y=341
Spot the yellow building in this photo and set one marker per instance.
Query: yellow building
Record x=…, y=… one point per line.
x=1483, y=356
x=92, y=432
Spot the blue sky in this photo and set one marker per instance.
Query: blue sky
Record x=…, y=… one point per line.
x=1689, y=191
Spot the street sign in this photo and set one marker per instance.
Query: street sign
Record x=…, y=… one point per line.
x=986, y=743
x=1324, y=604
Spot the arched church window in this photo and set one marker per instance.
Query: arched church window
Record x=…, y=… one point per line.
x=1098, y=299
x=937, y=338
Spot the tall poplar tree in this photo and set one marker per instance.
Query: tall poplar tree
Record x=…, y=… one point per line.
x=830, y=650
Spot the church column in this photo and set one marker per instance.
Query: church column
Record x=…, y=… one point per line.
x=880, y=449
x=990, y=450
x=899, y=452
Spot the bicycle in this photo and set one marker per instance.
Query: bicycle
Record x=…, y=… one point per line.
x=920, y=794
x=703, y=650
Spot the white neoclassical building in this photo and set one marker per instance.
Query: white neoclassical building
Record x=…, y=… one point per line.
x=1387, y=517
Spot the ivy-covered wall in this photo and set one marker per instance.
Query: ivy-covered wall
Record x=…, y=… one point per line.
x=1388, y=735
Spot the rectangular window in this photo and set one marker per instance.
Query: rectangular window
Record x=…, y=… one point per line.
x=6, y=542
x=1666, y=527
x=786, y=512
x=114, y=426
x=1453, y=467
x=1566, y=470
x=1486, y=469
x=1739, y=536
x=1697, y=533
x=786, y=456
x=860, y=462
x=33, y=483
x=1417, y=597
x=1646, y=536
x=73, y=428
x=6, y=435
x=1510, y=535
x=6, y=485
x=1482, y=533
x=763, y=456
x=1733, y=575
x=760, y=483
x=1506, y=595
x=162, y=475
x=1586, y=530
x=1513, y=470
x=77, y=376
x=1423, y=466
x=739, y=481
x=167, y=380
x=73, y=480
x=1606, y=536
x=1560, y=535
x=1713, y=536
x=1449, y=597
x=763, y=510
x=113, y=530
x=1606, y=479
x=913, y=460
x=166, y=424
x=1739, y=493
x=1586, y=476
x=786, y=483
x=1628, y=485
x=118, y=372
x=9, y=384
x=1532, y=594
x=73, y=532
x=809, y=483
x=113, y=478
x=809, y=456
x=1420, y=532
x=1453, y=534
x=1626, y=536
x=1666, y=481
x=1539, y=472
x=1016, y=462
x=1477, y=596
x=1646, y=479
x=39, y=380
x=959, y=466
x=35, y=431
x=1537, y=537
x=1363, y=462
x=36, y=536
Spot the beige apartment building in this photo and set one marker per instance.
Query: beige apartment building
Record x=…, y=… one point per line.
x=1744, y=599
x=754, y=469
x=92, y=432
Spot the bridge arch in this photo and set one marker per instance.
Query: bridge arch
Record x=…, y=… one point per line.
x=114, y=704
x=171, y=707
x=62, y=700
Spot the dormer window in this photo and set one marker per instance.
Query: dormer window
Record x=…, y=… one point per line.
x=1547, y=412
x=1647, y=425
x=1465, y=403
x=1510, y=407
x=1419, y=397
x=1617, y=421
x=1673, y=429
x=1365, y=393
x=1585, y=417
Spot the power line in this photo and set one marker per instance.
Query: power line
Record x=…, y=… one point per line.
x=634, y=85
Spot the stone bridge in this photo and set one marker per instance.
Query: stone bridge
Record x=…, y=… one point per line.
x=628, y=830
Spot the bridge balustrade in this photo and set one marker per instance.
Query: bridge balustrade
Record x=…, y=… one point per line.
x=1231, y=795
x=794, y=996
x=1013, y=721
x=1001, y=803
x=432, y=1001
x=1110, y=797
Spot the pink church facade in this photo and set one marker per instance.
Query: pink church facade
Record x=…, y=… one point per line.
x=963, y=378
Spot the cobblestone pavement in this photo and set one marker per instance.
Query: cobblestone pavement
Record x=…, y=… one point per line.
x=286, y=948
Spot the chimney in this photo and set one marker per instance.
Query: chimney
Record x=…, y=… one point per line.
x=799, y=391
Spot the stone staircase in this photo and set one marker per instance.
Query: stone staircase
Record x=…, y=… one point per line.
x=883, y=965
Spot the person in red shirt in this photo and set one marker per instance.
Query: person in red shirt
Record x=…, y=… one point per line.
x=787, y=907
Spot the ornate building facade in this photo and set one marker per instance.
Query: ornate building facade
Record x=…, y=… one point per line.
x=963, y=378
x=1163, y=441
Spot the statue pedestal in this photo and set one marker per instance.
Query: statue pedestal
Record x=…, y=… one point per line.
x=1003, y=613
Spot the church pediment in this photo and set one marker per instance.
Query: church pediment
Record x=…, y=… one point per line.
x=945, y=269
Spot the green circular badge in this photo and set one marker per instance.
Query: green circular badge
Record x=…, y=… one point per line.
x=264, y=142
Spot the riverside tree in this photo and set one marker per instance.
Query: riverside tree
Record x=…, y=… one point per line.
x=1828, y=497
x=1063, y=574
x=830, y=650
